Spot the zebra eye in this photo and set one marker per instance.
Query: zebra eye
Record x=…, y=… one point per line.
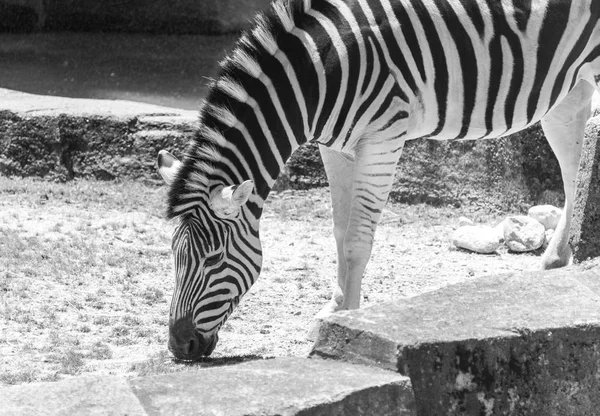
x=212, y=260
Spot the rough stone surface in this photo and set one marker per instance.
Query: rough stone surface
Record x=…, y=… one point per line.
x=522, y=344
x=63, y=138
x=476, y=238
x=81, y=396
x=585, y=228
x=547, y=215
x=285, y=386
x=499, y=228
x=282, y=387
x=523, y=233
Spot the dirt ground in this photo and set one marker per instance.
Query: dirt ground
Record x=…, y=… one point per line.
x=86, y=276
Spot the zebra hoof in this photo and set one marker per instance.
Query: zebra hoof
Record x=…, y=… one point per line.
x=557, y=260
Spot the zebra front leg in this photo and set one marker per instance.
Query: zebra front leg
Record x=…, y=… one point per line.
x=564, y=127
x=374, y=170
x=339, y=168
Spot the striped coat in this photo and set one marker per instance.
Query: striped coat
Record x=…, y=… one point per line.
x=361, y=77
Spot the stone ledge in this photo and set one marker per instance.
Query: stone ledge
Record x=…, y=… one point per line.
x=522, y=343
x=80, y=396
x=64, y=138
x=31, y=105
x=284, y=386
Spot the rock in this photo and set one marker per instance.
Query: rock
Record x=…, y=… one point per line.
x=94, y=138
x=500, y=230
x=479, y=239
x=523, y=233
x=547, y=215
x=282, y=386
x=524, y=343
x=462, y=221
x=584, y=235
x=107, y=395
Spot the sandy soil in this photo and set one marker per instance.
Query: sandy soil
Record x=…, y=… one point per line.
x=122, y=307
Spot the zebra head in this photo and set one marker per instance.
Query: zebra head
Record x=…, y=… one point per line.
x=217, y=257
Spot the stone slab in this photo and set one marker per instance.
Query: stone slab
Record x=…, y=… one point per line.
x=283, y=386
x=522, y=343
x=80, y=396
x=585, y=229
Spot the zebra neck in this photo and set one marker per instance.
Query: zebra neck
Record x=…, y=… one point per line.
x=268, y=100
x=261, y=109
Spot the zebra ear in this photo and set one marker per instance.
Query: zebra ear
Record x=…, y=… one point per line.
x=168, y=166
x=226, y=201
x=242, y=193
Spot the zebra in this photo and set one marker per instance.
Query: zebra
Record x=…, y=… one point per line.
x=360, y=78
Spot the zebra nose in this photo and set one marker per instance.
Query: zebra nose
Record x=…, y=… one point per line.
x=186, y=343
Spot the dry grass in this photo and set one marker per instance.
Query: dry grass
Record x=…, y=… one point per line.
x=86, y=276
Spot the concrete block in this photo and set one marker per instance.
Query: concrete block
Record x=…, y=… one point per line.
x=522, y=343
x=80, y=396
x=585, y=229
x=283, y=386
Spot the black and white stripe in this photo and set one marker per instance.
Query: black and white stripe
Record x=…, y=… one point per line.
x=360, y=77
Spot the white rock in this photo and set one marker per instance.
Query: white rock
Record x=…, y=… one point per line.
x=463, y=221
x=500, y=230
x=479, y=239
x=547, y=215
x=523, y=233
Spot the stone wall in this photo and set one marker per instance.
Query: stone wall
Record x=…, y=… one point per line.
x=59, y=138
x=152, y=16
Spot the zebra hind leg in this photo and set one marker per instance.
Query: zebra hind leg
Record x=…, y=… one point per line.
x=564, y=127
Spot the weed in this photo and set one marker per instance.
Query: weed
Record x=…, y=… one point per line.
x=100, y=351
x=91, y=298
x=131, y=320
x=160, y=320
x=54, y=340
x=71, y=362
x=152, y=295
x=161, y=363
x=27, y=375
x=102, y=320
x=121, y=331
x=144, y=332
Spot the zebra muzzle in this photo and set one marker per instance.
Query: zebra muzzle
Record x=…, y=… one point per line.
x=186, y=343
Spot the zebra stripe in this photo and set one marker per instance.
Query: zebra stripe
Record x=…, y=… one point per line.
x=360, y=77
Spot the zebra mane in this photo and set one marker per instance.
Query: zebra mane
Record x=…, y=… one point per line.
x=193, y=181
